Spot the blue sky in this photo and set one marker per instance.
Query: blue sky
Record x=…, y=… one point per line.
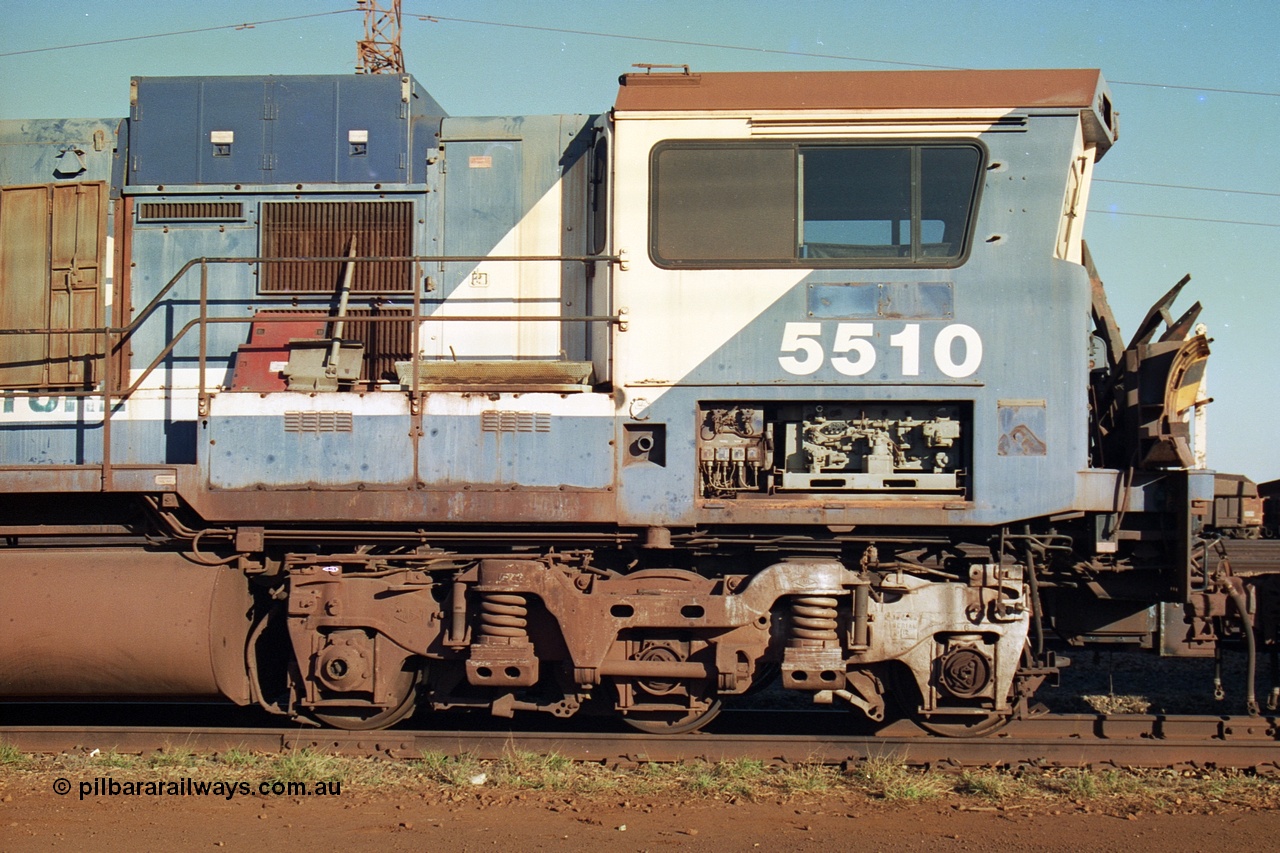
x=1197, y=85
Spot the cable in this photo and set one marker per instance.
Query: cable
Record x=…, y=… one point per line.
x=247, y=25
x=594, y=34
x=1194, y=88
x=714, y=45
x=440, y=19
x=1184, y=218
x=1184, y=187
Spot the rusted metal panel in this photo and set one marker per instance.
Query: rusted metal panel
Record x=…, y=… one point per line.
x=835, y=510
x=316, y=229
x=1079, y=89
x=260, y=362
x=190, y=211
x=75, y=279
x=829, y=90
x=147, y=624
x=86, y=478
x=384, y=343
x=460, y=505
x=52, y=247
x=24, y=288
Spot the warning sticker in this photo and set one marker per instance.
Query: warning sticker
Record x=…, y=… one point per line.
x=480, y=161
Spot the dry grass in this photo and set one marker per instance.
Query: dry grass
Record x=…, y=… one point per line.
x=523, y=774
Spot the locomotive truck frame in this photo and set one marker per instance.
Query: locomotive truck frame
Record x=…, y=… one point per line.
x=318, y=398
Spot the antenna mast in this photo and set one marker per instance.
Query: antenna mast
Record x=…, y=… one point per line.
x=379, y=51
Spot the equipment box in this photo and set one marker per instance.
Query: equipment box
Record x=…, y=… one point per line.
x=273, y=130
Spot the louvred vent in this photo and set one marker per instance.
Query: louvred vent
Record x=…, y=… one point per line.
x=324, y=230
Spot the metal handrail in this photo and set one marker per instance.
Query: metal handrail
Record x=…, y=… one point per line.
x=114, y=337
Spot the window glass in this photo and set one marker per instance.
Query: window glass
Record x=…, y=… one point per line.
x=813, y=205
x=725, y=203
x=947, y=180
x=599, y=197
x=857, y=203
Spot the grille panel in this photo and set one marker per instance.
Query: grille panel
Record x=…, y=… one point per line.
x=323, y=230
x=515, y=421
x=384, y=343
x=189, y=211
x=318, y=422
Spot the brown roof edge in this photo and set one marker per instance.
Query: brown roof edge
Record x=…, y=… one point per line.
x=1081, y=88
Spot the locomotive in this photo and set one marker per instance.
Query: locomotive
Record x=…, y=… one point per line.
x=318, y=398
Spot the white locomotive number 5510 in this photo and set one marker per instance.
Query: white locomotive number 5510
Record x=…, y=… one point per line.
x=957, y=350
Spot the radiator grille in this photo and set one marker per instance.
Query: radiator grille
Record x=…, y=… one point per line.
x=189, y=211
x=319, y=229
x=385, y=343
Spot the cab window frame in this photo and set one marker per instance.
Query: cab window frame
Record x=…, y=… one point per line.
x=692, y=237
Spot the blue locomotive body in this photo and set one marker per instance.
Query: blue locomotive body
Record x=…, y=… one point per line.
x=755, y=372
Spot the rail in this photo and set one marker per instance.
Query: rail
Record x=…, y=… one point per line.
x=113, y=339
x=1099, y=742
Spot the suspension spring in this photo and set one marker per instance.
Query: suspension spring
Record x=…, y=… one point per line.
x=504, y=619
x=813, y=620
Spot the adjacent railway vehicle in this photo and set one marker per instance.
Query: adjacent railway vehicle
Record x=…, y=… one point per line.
x=318, y=398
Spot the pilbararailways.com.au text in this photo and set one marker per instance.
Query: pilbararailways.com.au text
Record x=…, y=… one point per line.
x=108, y=787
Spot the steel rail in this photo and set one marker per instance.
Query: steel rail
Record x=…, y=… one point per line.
x=1055, y=741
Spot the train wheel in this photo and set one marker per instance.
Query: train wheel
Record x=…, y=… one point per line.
x=668, y=722
x=357, y=718
x=906, y=695
x=961, y=725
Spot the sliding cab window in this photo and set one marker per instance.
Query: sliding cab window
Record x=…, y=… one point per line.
x=738, y=204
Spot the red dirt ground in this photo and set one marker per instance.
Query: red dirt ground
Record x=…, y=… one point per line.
x=33, y=817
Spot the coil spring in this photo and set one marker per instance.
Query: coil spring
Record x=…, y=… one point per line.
x=504, y=617
x=813, y=617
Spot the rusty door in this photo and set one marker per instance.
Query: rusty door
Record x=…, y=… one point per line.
x=52, y=247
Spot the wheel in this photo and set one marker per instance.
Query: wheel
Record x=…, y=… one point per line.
x=961, y=725
x=662, y=705
x=668, y=722
x=358, y=718
x=906, y=695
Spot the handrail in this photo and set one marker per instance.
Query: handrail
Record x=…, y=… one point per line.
x=114, y=337
x=156, y=300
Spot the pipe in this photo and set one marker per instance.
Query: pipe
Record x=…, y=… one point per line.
x=458, y=612
x=339, y=324
x=861, y=627
x=655, y=669
x=1237, y=598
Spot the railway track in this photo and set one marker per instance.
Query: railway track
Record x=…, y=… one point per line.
x=1080, y=741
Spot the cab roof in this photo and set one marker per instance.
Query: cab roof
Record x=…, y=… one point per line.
x=748, y=91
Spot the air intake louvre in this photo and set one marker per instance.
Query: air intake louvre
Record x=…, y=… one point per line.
x=318, y=422
x=324, y=230
x=502, y=421
x=189, y=211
